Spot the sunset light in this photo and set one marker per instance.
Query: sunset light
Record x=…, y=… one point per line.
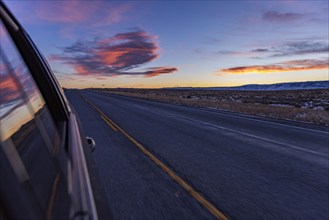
x=157, y=109
x=167, y=44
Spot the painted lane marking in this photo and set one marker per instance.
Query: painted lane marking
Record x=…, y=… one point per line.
x=258, y=137
x=204, y=202
x=250, y=117
x=255, y=136
x=224, y=113
x=109, y=124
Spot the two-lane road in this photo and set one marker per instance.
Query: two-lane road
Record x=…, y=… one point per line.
x=248, y=168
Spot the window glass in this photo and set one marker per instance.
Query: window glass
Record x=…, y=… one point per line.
x=29, y=137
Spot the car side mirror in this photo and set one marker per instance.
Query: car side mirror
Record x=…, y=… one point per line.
x=91, y=143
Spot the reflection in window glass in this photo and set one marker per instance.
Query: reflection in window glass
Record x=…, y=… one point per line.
x=17, y=89
x=29, y=137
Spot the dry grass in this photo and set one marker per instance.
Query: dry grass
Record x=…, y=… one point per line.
x=304, y=105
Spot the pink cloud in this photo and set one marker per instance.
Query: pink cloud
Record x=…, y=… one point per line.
x=95, y=13
x=156, y=71
x=287, y=66
x=67, y=11
x=114, y=56
x=8, y=89
x=115, y=14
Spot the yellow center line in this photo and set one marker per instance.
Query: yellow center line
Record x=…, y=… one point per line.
x=109, y=123
x=203, y=201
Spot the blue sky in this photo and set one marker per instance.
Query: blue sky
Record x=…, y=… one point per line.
x=154, y=44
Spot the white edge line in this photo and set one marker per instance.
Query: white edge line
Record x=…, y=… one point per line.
x=257, y=137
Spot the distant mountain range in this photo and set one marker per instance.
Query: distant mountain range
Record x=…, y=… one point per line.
x=277, y=86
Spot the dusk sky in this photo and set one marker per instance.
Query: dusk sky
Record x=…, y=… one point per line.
x=152, y=44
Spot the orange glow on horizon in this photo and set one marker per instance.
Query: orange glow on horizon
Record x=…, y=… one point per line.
x=270, y=69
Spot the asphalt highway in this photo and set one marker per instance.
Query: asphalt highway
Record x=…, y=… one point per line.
x=164, y=161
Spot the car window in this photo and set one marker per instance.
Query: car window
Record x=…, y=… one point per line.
x=29, y=136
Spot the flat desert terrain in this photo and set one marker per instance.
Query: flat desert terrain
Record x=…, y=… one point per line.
x=299, y=105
